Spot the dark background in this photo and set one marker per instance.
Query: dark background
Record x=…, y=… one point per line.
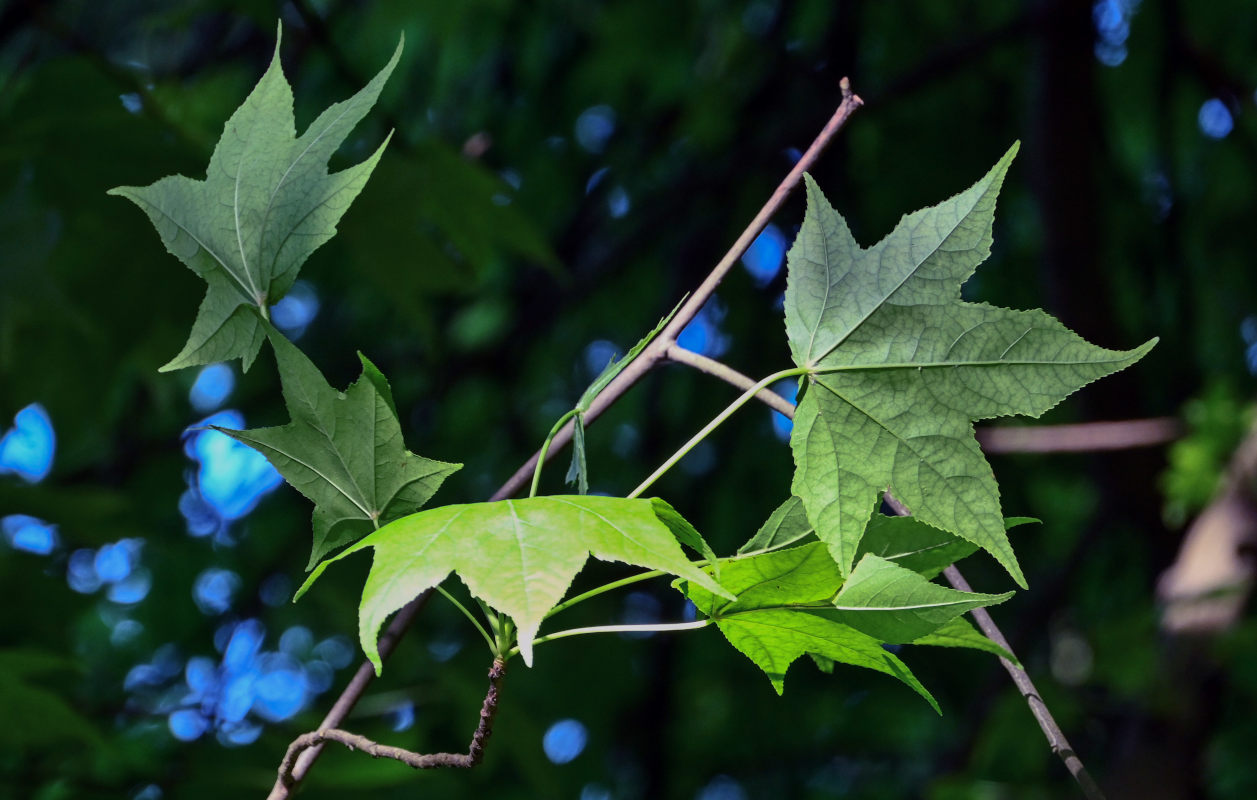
x=561, y=174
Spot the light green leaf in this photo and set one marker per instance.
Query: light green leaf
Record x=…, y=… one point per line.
x=899, y=367
x=266, y=204
x=895, y=604
x=786, y=525
x=685, y=533
x=519, y=556
x=960, y=633
x=343, y=451
x=783, y=610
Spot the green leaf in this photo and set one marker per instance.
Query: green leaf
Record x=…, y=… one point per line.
x=685, y=533
x=783, y=610
x=910, y=543
x=960, y=633
x=786, y=525
x=519, y=556
x=343, y=451
x=266, y=204
x=899, y=366
x=578, y=471
x=895, y=604
x=614, y=367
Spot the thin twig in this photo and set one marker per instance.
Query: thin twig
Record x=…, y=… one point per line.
x=1051, y=731
x=717, y=369
x=354, y=741
x=645, y=361
x=654, y=352
x=1047, y=723
x=1088, y=437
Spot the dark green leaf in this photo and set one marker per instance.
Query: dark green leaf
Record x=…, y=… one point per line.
x=343, y=451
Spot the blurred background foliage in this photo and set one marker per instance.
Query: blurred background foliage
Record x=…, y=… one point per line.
x=561, y=174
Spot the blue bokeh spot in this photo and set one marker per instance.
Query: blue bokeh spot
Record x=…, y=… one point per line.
x=1215, y=119
x=764, y=257
x=213, y=385
x=27, y=448
x=296, y=310
x=564, y=740
x=232, y=477
x=29, y=534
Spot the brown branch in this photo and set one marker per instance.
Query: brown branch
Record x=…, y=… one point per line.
x=653, y=354
x=1047, y=723
x=1088, y=437
x=1051, y=731
x=473, y=756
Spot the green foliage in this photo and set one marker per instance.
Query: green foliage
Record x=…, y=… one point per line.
x=35, y=716
x=784, y=610
x=959, y=632
x=898, y=367
x=267, y=203
x=518, y=556
x=896, y=605
x=343, y=450
x=1216, y=422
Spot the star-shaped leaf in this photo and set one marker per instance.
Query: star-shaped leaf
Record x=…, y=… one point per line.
x=343, y=451
x=266, y=204
x=899, y=366
x=519, y=556
x=784, y=610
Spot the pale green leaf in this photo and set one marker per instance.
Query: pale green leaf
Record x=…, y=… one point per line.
x=518, y=556
x=960, y=633
x=783, y=610
x=786, y=525
x=899, y=367
x=685, y=533
x=343, y=451
x=895, y=604
x=266, y=204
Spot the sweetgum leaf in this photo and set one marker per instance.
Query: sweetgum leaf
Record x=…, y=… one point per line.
x=343, y=451
x=783, y=610
x=266, y=204
x=786, y=525
x=519, y=556
x=960, y=633
x=896, y=605
x=899, y=366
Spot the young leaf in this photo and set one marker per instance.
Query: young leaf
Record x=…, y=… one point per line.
x=960, y=633
x=343, y=451
x=266, y=204
x=899, y=366
x=786, y=525
x=685, y=533
x=896, y=605
x=578, y=471
x=783, y=611
x=519, y=556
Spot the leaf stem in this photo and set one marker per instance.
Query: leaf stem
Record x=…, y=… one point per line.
x=607, y=587
x=715, y=423
x=545, y=448
x=662, y=627
x=488, y=639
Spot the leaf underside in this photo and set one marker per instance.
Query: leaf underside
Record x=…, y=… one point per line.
x=343, y=451
x=899, y=367
x=266, y=204
x=518, y=556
